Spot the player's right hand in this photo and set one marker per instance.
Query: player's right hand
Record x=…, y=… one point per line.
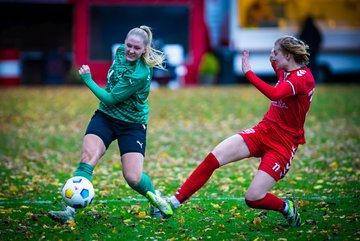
x=245, y=62
x=84, y=69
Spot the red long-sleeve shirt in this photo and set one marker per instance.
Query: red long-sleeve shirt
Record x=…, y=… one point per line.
x=290, y=98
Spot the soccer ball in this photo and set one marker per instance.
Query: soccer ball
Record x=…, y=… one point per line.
x=78, y=192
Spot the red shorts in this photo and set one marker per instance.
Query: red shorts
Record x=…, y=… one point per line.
x=275, y=147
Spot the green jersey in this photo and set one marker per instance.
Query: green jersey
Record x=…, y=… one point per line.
x=129, y=83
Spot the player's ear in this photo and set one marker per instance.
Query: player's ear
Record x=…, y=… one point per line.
x=288, y=56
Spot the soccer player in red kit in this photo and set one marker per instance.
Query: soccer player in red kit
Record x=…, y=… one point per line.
x=275, y=139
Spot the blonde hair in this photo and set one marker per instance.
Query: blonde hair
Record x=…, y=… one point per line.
x=297, y=48
x=152, y=57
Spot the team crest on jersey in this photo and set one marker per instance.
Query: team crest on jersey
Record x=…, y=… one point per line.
x=300, y=72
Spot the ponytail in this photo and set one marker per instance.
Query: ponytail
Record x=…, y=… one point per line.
x=296, y=47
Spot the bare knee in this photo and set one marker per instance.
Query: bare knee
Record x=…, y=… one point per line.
x=253, y=195
x=132, y=179
x=92, y=150
x=252, y=198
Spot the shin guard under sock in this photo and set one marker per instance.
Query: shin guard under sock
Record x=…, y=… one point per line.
x=269, y=202
x=144, y=185
x=198, y=178
x=84, y=170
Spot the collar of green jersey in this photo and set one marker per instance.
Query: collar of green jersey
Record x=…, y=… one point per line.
x=141, y=71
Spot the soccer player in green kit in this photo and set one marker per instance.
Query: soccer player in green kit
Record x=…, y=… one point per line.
x=122, y=114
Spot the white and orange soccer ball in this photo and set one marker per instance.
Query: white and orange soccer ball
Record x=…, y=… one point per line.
x=78, y=192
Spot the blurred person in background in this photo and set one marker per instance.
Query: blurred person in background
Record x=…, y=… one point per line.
x=312, y=36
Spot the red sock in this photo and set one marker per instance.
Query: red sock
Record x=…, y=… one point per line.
x=198, y=178
x=269, y=202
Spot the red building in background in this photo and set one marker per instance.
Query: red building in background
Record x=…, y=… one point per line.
x=84, y=31
x=197, y=34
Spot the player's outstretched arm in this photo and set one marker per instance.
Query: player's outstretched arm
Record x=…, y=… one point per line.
x=99, y=92
x=273, y=93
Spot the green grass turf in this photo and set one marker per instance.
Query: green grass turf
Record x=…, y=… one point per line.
x=41, y=132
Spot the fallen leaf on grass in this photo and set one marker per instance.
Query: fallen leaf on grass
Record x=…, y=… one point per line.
x=13, y=189
x=217, y=206
x=303, y=203
x=70, y=223
x=142, y=215
x=207, y=229
x=257, y=221
x=333, y=165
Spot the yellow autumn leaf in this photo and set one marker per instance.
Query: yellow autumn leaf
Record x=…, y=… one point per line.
x=257, y=221
x=333, y=165
x=241, y=179
x=58, y=226
x=70, y=223
x=298, y=178
x=117, y=166
x=127, y=220
x=217, y=206
x=142, y=214
x=224, y=188
x=303, y=203
x=164, y=154
x=317, y=187
x=221, y=226
x=13, y=189
x=182, y=220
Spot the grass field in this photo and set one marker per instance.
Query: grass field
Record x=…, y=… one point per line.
x=41, y=133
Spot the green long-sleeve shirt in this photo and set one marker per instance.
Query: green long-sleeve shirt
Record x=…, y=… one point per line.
x=127, y=89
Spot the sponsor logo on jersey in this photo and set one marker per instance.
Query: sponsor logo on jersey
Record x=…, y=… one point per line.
x=300, y=72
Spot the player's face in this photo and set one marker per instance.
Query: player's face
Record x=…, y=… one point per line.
x=134, y=48
x=279, y=58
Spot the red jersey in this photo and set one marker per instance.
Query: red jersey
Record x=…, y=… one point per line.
x=291, y=98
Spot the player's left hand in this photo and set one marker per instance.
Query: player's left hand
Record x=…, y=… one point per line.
x=245, y=62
